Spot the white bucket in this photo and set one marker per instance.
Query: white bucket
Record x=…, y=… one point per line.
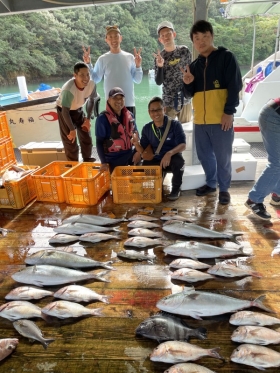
x=22, y=87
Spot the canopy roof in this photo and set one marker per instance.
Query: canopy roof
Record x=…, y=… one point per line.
x=24, y=6
x=246, y=8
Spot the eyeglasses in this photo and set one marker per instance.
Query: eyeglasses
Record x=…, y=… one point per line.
x=156, y=110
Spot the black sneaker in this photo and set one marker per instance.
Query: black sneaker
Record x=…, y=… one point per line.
x=89, y=160
x=275, y=199
x=258, y=209
x=175, y=194
x=204, y=190
x=224, y=198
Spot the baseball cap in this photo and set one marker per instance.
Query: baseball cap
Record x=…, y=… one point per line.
x=116, y=91
x=165, y=24
x=112, y=28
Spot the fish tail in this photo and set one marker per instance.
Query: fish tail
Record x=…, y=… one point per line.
x=256, y=274
x=105, y=299
x=116, y=229
x=96, y=312
x=47, y=342
x=258, y=303
x=214, y=352
x=107, y=265
x=201, y=333
x=233, y=238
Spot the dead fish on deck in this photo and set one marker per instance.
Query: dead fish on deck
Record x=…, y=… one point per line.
x=142, y=217
x=97, y=237
x=5, y=231
x=196, y=250
x=143, y=232
x=47, y=275
x=64, y=259
x=190, y=275
x=166, y=327
x=27, y=293
x=231, y=270
x=64, y=309
x=138, y=241
x=62, y=238
x=7, y=346
x=19, y=310
x=188, y=263
x=77, y=293
x=257, y=356
x=167, y=217
x=82, y=228
x=198, y=304
x=92, y=219
x=258, y=335
x=135, y=255
x=252, y=318
x=194, y=230
x=142, y=224
x=188, y=368
x=177, y=351
x=30, y=330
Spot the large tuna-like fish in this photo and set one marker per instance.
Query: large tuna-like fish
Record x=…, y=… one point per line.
x=198, y=304
x=81, y=228
x=30, y=330
x=258, y=335
x=64, y=309
x=194, y=230
x=252, y=318
x=7, y=346
x=188, y=368
x=92, y=219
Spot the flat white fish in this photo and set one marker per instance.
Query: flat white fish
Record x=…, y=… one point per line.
x=135, y=255
x=257, y=356
x=231, y=270
x=138, y=241
x=252, y=318
x=77, y=293
x=144, y=232
x=194, y=230
x=92, y=219
x=7, y=346
x=64, y=309
x=30, y=330
x=64, y=259
x=142, y=217
x=258, y=335
x=142, y=224
x=177, y=217
x=81, y=228
x=196, y=250
x=177, y=351
x=190, y=275
x=188, y=263
x=28, y=293
x=97, y=237
x=62, y=238
x=198, y=304
x=15, y=310
x=46, y=275
x=188, y=368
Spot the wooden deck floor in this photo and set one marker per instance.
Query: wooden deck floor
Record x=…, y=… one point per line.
x=108, y=344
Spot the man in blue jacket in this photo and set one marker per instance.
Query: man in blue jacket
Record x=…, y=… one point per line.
x=214, y=81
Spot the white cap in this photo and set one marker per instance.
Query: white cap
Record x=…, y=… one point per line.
x=165, y=24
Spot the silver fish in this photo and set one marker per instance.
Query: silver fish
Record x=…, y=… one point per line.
x=27, y=293
x=64, y=259
x=97, y=237
x=143, y=232
x=19, y=310
x=194, y=230
x=82, y=228
x=64, y=309
x=258, y=335
x=177, y=351
x=252, y=318
x=188, y=263
x=46, y=275
x=77, y=293
x=138, y=241
x=63, y=238
x=196, y=250
x=257, y=356
x=135, y=255
x=231, y=270
x=142, y=224
x=188, y=368
x=142, y=217
x=92, y=219
x=30, y=330
x=190, y=275
x=167, y=217
x=198, y=304
x=7, y=346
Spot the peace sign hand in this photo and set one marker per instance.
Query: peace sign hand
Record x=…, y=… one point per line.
x=86, y=55
x=187, y=75
x=137, y=57
x=159, y=59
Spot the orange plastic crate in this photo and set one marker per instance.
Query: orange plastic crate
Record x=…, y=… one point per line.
x=137, y=184
x=4, y=128
x=49, y=183
x=7, y=154
x=85, y=184
x=17, y=193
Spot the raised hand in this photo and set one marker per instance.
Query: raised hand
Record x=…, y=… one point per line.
x=187, y=75
x=159, y=59
x=86, y=55
x=137, y=57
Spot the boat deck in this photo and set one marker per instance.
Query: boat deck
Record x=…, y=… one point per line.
x=108, y=343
